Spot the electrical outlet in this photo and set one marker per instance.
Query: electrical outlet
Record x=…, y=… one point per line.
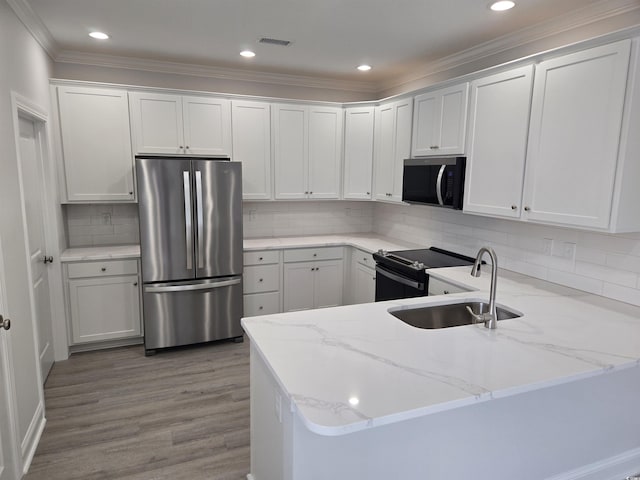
x=252, y=214
x=569, y=250
x=106, y=218
x=547, y=246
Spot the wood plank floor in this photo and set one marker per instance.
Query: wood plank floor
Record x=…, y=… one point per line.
x=116, y=414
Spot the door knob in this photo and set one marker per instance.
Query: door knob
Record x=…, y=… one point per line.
x=47, y=259
x=5, y=323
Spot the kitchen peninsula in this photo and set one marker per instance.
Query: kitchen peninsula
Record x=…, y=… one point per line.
x=353, y=392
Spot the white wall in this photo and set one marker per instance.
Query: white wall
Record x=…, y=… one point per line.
x=272, y=219
x=93, y=225
x=24, y=69
x=603, y=264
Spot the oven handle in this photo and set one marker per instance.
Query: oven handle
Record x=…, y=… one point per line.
x=397, y=278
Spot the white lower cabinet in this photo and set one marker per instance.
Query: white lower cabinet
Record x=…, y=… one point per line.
x=261, y=282
x=313, y=278
x=364, y=284
x=103, y=300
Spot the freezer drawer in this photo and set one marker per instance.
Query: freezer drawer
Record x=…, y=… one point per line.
x=182, y=313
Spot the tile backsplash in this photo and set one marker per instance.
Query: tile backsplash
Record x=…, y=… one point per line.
x=599, y=263
x=273, y=219
x=91, y=225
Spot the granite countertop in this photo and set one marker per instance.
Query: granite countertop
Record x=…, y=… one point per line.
x=349, y=368
x=369, y=242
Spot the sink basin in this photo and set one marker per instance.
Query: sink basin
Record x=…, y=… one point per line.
x=448, y=315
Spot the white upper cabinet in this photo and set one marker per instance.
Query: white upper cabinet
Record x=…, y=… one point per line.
x=96, y=144
x=358, y=153
x=180, y=125
x=497, y=145
x=251, y=127
x=392, y=145
x=574, y=138
x=439, y=123
x=307, y=151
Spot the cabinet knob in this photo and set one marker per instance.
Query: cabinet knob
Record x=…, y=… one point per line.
x=434, y=147
x=104, y=269
x=446, y=292
x=260, y=258
x=260, y=280
x=306, y=193
x=514, y=207
x=187, y=147
x=526, y=209
x=315, y=254
x=130, y=193
x=310, y=193
x=135, y=284
x=180, y=147
x=368, y=193
x=260, y=307
x=5, y=323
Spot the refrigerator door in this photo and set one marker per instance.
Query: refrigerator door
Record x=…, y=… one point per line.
x=166, y=219
x=218, y=217
x=182, y=313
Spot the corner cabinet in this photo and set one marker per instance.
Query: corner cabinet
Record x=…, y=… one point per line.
x=103, y=301
x=307, y=144
x=97, y=163
x=358, y=153
x=165, y=124
x=578, y=127
x=497, y=146
x=392, y=146
x=251, y=133
x=439, y=123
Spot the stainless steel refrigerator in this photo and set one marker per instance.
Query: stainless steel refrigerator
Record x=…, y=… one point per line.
x=190, y=213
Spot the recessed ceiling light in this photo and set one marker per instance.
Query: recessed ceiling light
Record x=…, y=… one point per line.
x=502, y=5
x=247, y=54
x=364, y=68
x=99, y=35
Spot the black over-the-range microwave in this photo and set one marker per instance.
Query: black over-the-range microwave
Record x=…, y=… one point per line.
x=435, y=181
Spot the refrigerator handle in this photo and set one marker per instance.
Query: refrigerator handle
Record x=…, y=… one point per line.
x=200, y=219
x=188, y=229
x=192, y=287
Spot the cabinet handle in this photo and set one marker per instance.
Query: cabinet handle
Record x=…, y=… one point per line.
x=135, y=284
x=260, y=258
x=368, y=193
x=187, y=147
x=181, y=147
x=5, y=323
x=130, y=193
x=104, y=269
x=526, y=209
x=446, y=292
x=260, y=307
x=514, y=207
x=434, y=147
x=315, y=254
x=260, y=280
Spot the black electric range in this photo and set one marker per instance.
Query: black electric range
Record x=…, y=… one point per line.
x=401, y=273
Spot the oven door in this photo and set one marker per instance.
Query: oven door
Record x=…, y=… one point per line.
x=392, y=286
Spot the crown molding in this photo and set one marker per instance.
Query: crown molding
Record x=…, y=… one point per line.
x=590, y=14
x=34, y=24
x=161, y=66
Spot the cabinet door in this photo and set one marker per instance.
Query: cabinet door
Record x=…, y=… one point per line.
x=576, y=118
x=358, y=153
x=498, y=128
x=104, y=308
x=207, y=125
x=157, y=123
x=365, y=284
x=325, y=152
x=96, y=144
x=291, y=144
x=252, y=146
x=298, y=286
x=402, y=144
x=384, y=151
x=439, y=126
x=328, y=280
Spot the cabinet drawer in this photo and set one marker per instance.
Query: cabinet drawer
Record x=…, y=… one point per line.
x=261, y=278
x=262, y=257
x=438, y=287
x=102, y=268
x=261, y=304
x=310, y=254
x=364, y=258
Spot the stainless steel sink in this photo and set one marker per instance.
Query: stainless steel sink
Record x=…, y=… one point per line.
x=448, y=315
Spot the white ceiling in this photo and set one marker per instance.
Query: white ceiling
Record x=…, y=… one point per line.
x=330, y=37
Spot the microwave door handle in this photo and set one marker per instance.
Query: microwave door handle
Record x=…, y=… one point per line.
x=188, y=228
x=200, y=218
x=439, y=184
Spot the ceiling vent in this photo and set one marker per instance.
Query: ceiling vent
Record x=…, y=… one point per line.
x=275, y=41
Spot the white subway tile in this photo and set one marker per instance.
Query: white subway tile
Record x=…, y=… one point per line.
x=606, y=274
x=623, y=262
x=572, y=280
x=624, y=294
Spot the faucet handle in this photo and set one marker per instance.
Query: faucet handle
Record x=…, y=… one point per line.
x=479, y=318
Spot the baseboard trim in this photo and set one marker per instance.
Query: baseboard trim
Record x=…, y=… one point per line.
x=612, y=468
x=250, y=477
x=32, y=439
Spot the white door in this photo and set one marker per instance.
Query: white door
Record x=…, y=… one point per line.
x=384, y=143
x=325, y=151
x=156, y=120
x=365, y=284
x=358, y=152
x=207, y=125
x=291, y=147
x=7, y=451
x=33, y=187
x=402, y=147
x=298, y=286
x=328, y=284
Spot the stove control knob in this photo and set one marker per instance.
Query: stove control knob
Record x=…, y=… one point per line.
x=382, y=252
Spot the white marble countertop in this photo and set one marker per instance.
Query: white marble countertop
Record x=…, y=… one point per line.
x=355, y=367
x=114, y=252
x=368, y=242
